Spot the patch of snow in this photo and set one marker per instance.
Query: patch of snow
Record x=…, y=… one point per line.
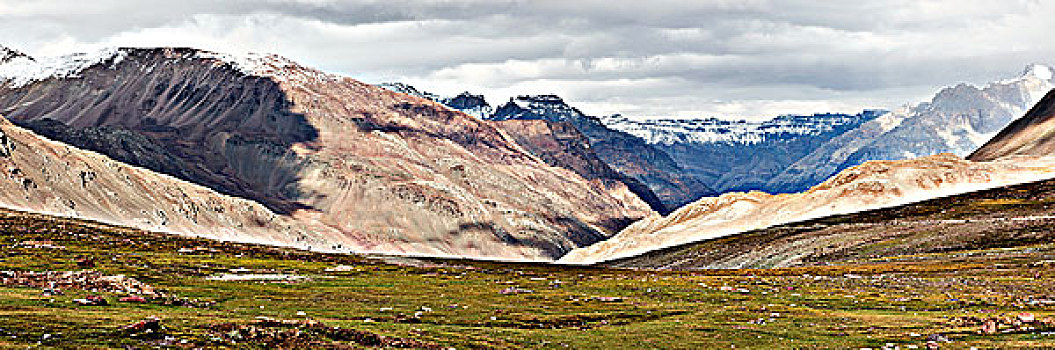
x=272, y=66
x=712, y=130
x=978, y=138
x=19, y=71
x=1032, y=71
x=1040, y=71
x=890, y=121
x=950, y=139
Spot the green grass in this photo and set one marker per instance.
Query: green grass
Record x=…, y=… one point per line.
x=658, y=309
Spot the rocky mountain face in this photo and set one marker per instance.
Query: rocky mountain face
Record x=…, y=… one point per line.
x=372, y=170
x=45, y=176
x=559, y=144
x=957, y=120
x=872, y=185
x=1033, y=134
x=740, y=155
x=626, y=153
x=474, y=105
x=562, y=145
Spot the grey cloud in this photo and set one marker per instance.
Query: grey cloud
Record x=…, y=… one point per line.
x=648, y=57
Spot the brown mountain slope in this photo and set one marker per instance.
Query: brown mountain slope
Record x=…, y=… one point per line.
x=874, y=184
x=391, y=172
x=562, y=145
x=1033, y=134
x=959, y=226
x=44, y=176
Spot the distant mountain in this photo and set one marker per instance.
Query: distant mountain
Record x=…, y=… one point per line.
x=558, y=143
x=957, y=120
x=562, y=145
x=622, y=151
x=875, y=184
x=740, y=155
x=367, y=169
x=474, y=105
x=1033, y=134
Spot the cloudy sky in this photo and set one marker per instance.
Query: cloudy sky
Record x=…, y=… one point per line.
x=735, y=59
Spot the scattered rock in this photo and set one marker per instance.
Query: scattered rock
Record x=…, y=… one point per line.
x=43, y=244
x=306, y=333
x=150, y=324
x=92, y=301
x=515, y=290
x=341, y=268
x=133, y=299
x=937, y=338
x=86, y=262
x=989, y=327
x=260, y=277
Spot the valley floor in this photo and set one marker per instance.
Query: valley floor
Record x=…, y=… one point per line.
x=214, y=294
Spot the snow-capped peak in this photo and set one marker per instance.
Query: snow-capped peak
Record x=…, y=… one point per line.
x=1040, y=71
x=466, y=102
x=272, y=66
x=8, y=54
x=17, y=69
x=1033, y=72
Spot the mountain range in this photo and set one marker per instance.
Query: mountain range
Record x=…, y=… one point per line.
x=1020, y=153
x=259, y=148
x=1018, y=215
x=956, y=120
x=741, y=155
x=363, y=168
x=872, y=185
x=786, y=154
x=627, y=154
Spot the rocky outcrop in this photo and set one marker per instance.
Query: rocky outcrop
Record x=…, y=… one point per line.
x=1033, y=134
x=382, y=171
x=626, y=153
x=875, y=184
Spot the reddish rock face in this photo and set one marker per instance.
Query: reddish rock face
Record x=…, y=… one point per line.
x=372, y=169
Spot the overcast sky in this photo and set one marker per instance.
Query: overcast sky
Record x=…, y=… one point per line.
x=735, y=59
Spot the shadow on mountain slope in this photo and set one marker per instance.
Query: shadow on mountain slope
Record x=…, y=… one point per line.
x=208, y=124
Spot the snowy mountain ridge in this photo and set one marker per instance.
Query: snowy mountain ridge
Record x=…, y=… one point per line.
x=468, y=103
x=547, y=107
x=18, y=69
x=957, y=120
x=708, y=130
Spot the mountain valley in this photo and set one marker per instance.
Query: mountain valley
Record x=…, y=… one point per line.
x=172, y=197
